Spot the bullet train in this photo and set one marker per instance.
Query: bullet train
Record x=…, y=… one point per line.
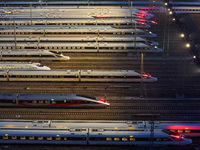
x=81, y=39
x=77, y=76
x=76, y=31
x=77, y=22
x=186, y=9
x=89, y=136
x=51, y=100
x=83, y=47
x=81, y=3
x=187, y=128
x=31, y=55
x=22, y=66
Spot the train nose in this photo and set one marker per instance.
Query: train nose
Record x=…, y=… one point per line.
x=154, y=79
x=104, y=102
x=66, y=57
x=186, y=142
x=47, y=68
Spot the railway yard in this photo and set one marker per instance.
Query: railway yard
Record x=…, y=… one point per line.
x=94, y=42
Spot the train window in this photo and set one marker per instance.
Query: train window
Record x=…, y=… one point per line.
x=34, y=102
x=58, y=138
x=180, y=131
x=22, y=138
x=116, y=139
x=65, y=138
x=124, y=139
x=187, y=131
x=47, y=102
x=41, y=102
x=31, y=138
x=40, y=138
x=108, y=139
x=166, y=139
x=49, y=138
x=13, y=137
x=5, y=137
x=132, y=139
x=158, y=139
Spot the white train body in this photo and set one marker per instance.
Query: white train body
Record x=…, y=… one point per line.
x=186, y=9
x=77, y=76
x=51, y=100
x=88, y=136
x=84, y=47
x=22, y=66
x=76, y=31
x=76, y=22
x=31, y=55
x=80, y=39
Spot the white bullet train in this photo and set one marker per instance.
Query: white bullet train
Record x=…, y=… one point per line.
x=186, y=128
x=77, y=76
x=84, y=47
x=51, y=100
x=37, y=134
x=77, y=31
x=76, y=22
x=31, y=55
x=22, y=66
x=81, y=39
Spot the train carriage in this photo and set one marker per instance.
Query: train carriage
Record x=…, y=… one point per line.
x=76, y=31
x=88, y=136
x=58, y=75
x=77, y=22
x=77, y=76
x=22, y=66
x=135, y=137
x=43, y=136
x=31, y=55
x=51, y=100
x=83, y=47
x=80, y=39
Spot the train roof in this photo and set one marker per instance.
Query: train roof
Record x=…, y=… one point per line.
x=45, y=96
x=75, y=72
x=94, y=20
x=25, y=52
x=17, y=63
x=75, y=38
x=73, y=30
x=85, y=44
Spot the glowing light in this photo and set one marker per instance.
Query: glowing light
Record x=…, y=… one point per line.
x=57, y=135
x=26, y=127
x=176, y=136
x=154, y=22
x=166, y=4
x=170, y=12
x=194, y=57
x=182, y=35
x=187, y=45
x=115, y=127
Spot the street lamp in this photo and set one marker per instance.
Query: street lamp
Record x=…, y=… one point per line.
x=170, y=12
x=182, y=35
x=187, y=45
